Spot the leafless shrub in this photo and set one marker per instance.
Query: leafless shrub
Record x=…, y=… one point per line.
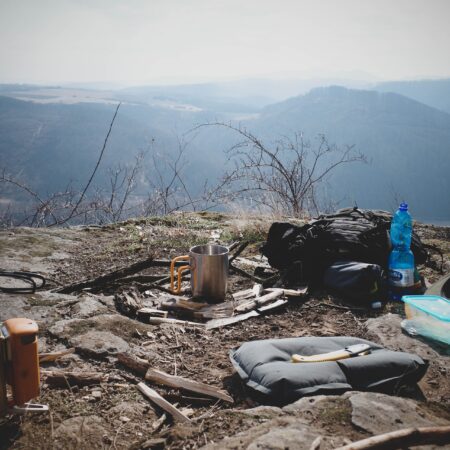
x=283, y=178
x=169, y=191
x=166, y=186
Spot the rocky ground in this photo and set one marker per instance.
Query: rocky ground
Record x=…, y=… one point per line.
x=114, y=414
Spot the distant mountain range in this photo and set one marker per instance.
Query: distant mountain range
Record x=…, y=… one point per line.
x=407, y=143
x=53, y=135
x=434, y=93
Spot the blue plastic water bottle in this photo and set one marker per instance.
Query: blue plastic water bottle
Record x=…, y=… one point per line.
x=401, y=259
x=401, y=228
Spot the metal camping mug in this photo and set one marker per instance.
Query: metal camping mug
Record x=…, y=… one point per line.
x=209, y=272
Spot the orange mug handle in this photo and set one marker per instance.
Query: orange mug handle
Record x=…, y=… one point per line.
x=179, y=272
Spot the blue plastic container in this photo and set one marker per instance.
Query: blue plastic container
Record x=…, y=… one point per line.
x=427, y=315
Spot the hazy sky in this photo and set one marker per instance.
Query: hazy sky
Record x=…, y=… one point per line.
x=144, y=41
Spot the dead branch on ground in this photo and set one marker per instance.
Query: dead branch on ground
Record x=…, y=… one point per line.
x=408, y=437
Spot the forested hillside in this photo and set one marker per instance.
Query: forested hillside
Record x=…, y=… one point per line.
x=405, y=142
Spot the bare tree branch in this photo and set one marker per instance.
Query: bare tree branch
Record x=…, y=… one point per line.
x=284, y=176
x=74, y=210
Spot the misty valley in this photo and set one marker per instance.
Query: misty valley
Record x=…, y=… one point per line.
x=166, y=140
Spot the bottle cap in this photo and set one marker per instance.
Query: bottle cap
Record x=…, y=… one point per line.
x=403, y=207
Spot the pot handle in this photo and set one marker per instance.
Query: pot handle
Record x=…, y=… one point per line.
x=179, y=272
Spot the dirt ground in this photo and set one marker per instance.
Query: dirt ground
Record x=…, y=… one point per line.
x=117, y=416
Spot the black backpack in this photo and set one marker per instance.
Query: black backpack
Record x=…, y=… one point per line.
x=352, y=234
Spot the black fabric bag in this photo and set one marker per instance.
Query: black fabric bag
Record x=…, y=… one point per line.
x=265, y=366
x=303, y=253
x=356, y=280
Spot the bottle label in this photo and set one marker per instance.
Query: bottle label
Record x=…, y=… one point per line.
x=401, y=277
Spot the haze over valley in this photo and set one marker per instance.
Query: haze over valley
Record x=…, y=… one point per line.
x=51, y=136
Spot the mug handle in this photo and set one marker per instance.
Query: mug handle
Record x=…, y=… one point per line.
x=179, y=272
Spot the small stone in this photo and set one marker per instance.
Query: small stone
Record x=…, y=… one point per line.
x=97, y=395
x=124, y=419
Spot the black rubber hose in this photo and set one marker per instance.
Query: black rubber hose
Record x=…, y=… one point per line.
x=33, y=280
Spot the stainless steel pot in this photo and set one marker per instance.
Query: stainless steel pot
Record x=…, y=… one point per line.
x=209, y=272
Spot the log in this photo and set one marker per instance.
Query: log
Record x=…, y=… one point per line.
x=136, y=364
x=63, y=379
x=106, y=278
x=153, y=396
x=157, y=376
x=259, y=301
x=408, y=437
x=47, y=357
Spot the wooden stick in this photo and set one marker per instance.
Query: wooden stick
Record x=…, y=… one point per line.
x=240, y=249
x=106, y=278
x=199, y=310
x=167, y=262
x=246, y=274
x=215, y=311
x=259, y=301
x=292, y=292
x=146, y=312
x=219, y=323
x=137, y=365
x=59, y=378
x=175, y=304
x=153, y=396
x=345, y=308
x=272, y=306
x=157, y=376
x=140, y=279
x=46, y=357
x=316, y=443
x=408, y=437
x=184, y=323
x=258, y=290
x=246, y=293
